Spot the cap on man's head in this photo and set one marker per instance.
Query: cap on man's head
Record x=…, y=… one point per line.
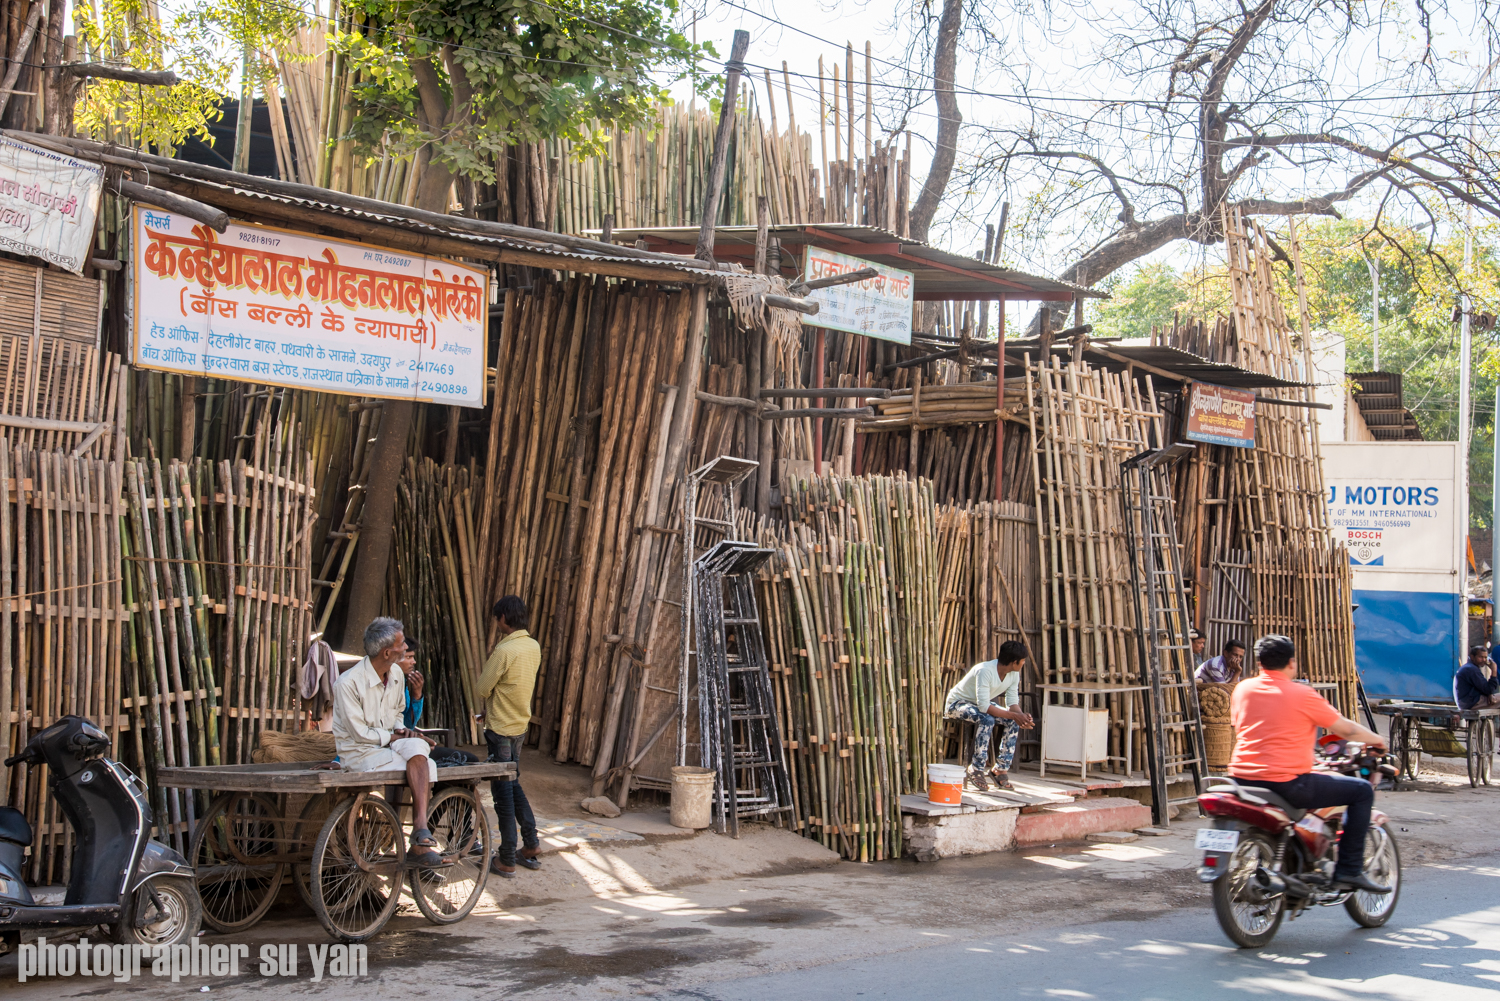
x=1194, y=634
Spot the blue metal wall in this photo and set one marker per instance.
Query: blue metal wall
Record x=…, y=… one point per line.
x=1407, y=644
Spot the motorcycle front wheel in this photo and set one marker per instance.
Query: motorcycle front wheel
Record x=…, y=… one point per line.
x=1248, y=914
x=1383, y=865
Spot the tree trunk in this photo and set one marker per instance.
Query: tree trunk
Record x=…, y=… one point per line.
x=944, y=65
x=367, y=590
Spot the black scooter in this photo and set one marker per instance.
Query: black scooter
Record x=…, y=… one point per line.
x=142, y=890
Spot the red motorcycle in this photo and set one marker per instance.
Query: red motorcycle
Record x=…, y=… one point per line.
x=1267, y=859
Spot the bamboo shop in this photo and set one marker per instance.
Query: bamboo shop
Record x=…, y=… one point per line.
x=913, y=504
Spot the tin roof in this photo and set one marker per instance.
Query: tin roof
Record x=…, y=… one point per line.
x=1163, y=362
x=940, y=275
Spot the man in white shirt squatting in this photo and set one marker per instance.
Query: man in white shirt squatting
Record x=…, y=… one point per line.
x=988, y=696
x=368, y=702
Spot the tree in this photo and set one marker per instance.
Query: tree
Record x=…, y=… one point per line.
x=1274, y=108
x=454, y=83
x=950, y=120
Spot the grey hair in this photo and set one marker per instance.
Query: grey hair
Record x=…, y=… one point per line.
x=380, y=633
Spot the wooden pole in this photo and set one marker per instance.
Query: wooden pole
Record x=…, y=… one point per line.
x=818, y=384
x=1000, y=405
x=717, y=166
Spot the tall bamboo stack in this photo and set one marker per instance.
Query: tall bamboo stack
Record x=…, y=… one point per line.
x=1254, y=522
x=851, y=609
x=1085, y=423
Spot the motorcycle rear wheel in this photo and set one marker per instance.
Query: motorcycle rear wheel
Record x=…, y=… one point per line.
x=1248, y=922
x=1382, y=864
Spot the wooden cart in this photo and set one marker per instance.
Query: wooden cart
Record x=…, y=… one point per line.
x=345, y=849
x=1443, y=730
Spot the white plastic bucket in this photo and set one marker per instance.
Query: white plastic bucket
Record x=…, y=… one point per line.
x=945, y=784
x=692, y=796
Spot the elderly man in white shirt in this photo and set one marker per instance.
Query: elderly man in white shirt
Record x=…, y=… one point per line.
x=988, y=696
x=368, y=702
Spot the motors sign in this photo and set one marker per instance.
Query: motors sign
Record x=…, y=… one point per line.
x=1219, y=415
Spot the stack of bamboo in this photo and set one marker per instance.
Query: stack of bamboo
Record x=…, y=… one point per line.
x=939, y=406
x=572, y=498
x=1253, y=522
x=1086, y=422
x=433, y=589
x=218, y=574
x=58, y=392
x=852, y=609
x=959, y=460
x=62, y=608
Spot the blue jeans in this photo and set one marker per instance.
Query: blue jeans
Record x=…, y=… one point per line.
x=984, y=728
x=1315, y=789
x=511, y=805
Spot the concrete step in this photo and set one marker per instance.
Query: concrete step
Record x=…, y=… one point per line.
x=1077, y=820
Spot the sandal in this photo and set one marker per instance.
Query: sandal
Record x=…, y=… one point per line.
x=423, y=850
x=978, y=780
x=527, y=858
x=1002, y=780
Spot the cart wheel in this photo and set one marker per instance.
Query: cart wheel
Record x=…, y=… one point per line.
x=1486, y=755
x=358, y=865
x=304, y=837
x=1408, y=737
x=463, y=835
x=240, y=830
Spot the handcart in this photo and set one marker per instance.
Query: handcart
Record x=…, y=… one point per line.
x=1442, y=730
x=345, y=849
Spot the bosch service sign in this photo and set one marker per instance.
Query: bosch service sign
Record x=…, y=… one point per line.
x=1364, y=546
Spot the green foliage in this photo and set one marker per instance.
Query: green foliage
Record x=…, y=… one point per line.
x=128, y=31
x=469, y=77
x=1418, y=292
x=1140, y=300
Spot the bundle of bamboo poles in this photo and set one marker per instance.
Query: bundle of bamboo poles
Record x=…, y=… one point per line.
x=62, y=608
x=959, y=460
x=218, y=580
x=937, y=406
x=433, y=589
x=1086, y=422
x=851, y=610
x=573, y=491
x=1253, y=522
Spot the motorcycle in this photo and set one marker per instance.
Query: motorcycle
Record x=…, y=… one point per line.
x=1268, y=860
x=143, y=891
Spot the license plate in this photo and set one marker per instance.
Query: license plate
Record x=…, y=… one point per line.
x=1213, y=839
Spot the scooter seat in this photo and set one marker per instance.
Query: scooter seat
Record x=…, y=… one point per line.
x=13, y=826
x=1275, y=800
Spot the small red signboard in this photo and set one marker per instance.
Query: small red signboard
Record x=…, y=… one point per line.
x=1219, y=415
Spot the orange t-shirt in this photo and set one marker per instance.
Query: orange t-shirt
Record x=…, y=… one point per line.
x=1275, y=721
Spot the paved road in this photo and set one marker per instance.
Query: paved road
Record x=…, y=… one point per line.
x=1443, y=944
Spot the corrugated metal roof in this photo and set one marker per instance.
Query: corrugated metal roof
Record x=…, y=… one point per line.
x=203, y=190
x=940, y=275
x=1181, y=365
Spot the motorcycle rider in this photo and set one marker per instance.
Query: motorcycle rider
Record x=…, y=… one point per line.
x=1276, y=720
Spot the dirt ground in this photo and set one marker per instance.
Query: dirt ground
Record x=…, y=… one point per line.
x=605, y=919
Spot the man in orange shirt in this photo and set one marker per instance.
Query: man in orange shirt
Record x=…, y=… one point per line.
x=1276, y=721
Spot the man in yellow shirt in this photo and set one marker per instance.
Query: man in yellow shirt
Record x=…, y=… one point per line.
x=505, y=687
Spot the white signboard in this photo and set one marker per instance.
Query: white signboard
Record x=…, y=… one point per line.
x=1398, y=507
x=266, y=305
x=47, y=204
x=876, y=307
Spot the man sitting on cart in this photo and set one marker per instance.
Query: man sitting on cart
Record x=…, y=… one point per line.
x=369, y=700
x=1475, y=686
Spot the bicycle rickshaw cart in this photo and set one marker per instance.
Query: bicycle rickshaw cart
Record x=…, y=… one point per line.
x=345, y=848
x=1442, y=730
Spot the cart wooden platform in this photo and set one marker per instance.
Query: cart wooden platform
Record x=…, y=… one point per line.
x=1444, y=730
x=345, y=848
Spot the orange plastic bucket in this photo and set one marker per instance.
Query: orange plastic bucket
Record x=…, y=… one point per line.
x=945, y=784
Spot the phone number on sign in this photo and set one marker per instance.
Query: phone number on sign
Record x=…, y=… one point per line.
x=444, y=389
